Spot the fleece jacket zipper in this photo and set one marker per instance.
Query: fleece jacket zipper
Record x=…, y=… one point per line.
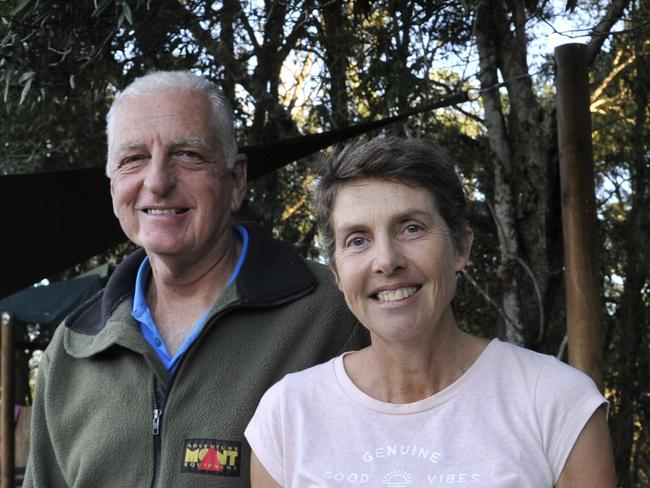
x=159, y=398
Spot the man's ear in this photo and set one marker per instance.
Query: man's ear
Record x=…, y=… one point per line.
x=110, y=182
x=462, y=255
x=239, y=173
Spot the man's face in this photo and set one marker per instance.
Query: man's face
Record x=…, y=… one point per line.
x=171, y=190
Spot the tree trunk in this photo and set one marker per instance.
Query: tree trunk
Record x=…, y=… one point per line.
x=336, y=42
x=523, y=168
x=227, y=38
x=504, y=206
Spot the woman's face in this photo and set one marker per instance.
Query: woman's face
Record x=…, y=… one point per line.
x=395, y=259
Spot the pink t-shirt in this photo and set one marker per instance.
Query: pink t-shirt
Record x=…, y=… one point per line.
x=510, y=422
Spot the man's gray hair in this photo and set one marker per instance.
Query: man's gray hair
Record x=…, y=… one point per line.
x=180, y=81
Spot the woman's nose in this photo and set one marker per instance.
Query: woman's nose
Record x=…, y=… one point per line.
x=388, y=257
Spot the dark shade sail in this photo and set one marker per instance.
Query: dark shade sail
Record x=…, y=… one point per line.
x=52, y=221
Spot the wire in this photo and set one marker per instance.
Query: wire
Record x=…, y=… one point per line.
x=480, y=91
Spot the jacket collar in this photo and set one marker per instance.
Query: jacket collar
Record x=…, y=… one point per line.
x=273, y=273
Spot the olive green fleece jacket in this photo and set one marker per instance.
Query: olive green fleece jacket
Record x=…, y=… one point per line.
x=107, y=413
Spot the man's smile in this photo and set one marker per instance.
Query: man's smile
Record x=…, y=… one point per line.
x=164, y=211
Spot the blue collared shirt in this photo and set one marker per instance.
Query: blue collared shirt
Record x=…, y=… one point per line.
x=142, y=313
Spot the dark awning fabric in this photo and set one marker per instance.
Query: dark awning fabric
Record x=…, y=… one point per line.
x=52, y=221
x=49, y=305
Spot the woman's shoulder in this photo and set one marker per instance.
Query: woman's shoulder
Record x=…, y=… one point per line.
x=304, y=383
x=546, y=375
x=508, y=353
x=562, y=399
x=310, y=376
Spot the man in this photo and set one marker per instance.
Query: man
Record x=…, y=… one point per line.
x=152, y=382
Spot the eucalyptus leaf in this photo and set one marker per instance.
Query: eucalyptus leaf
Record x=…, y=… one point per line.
x=23, y=94
x=128, y=14
x=101, y=7
x=21, y=5
x=5, y=97
x=26, y=76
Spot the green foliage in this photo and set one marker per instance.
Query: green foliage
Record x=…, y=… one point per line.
x=620, y=115
x=51, y=99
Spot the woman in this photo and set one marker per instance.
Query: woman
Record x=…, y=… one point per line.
x=426, y=404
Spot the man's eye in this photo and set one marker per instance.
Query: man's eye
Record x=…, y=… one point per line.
x=188, y=155
x=130, y=160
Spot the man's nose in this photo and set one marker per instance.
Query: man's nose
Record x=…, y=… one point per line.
x=160, y=176
x=388, y=257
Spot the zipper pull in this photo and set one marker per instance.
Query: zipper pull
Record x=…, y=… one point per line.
x=157, y=413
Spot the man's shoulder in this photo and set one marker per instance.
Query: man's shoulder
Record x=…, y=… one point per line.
x=90, y=317
x=323, y=274
x=87, y=318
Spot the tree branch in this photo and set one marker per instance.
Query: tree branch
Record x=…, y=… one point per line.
x=214, y=47
x=297, y=32
x=602, y=30
x=618, y=67
x=249, y=29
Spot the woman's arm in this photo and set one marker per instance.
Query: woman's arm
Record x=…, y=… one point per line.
x=591, y=461
x=260, y=477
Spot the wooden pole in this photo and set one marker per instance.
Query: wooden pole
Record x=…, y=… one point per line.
x=8, y=400
x=583, y=302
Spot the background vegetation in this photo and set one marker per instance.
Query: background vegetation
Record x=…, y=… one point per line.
x=292, y=67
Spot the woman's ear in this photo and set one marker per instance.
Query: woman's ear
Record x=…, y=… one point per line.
x=332, y=267
x=462, y=255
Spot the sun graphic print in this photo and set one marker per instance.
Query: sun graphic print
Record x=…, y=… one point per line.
x=398, y=478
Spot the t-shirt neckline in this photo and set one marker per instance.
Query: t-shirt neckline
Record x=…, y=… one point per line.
x=359, y=397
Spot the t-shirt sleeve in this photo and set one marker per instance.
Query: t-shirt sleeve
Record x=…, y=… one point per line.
x=565, y=399
x=265, y=432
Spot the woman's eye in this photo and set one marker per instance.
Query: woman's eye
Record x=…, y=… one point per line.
x=413, y=228
x=356, y=242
